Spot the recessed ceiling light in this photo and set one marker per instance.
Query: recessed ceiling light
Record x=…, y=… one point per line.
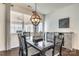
x=28, y=6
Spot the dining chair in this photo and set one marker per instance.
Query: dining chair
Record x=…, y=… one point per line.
x=50, y=36
x=27, y=35
x=38, y=36
x=57, y=41
x=19, y=33
x=23, y=51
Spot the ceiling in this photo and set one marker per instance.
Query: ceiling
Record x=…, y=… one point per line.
x=45, y=8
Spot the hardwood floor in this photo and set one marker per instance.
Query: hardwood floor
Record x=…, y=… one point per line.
x=12, y=52
x=67, y=52
x=15, y=51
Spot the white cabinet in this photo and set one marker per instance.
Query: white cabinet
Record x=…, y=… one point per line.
x=68, y=40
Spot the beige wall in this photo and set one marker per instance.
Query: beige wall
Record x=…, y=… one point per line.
x=2, y=27
x=14, y=42
x=72, y=12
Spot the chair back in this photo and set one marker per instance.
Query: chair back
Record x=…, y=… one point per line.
x=50, y=36
x=27, y=35
x=38, y=36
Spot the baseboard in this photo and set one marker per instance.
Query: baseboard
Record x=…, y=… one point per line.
x=2, y=50
x=9, y=49
x=68, y=48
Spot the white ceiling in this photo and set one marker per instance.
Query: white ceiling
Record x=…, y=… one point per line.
x=45, y=8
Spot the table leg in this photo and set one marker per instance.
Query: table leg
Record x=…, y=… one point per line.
x=52, y=53
x=42, y=53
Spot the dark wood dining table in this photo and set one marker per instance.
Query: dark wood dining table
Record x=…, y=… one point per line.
x=41, y=46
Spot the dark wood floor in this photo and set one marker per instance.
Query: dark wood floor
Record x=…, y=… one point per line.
x=15, y=51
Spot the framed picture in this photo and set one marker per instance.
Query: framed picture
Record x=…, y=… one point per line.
x=64, y=23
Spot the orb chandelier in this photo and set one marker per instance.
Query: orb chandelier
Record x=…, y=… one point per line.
x=35, y=18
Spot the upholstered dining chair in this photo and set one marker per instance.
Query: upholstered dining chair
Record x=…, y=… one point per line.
x=23, y=51
x=19, y=33
x=50, y=36
x=58, y=42
x=38, y=36
x=59, y=39
x=27, y=35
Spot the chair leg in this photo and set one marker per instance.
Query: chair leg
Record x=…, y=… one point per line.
x=42, y=53
x=53, y=53
x=19, y=52
x=60, y=51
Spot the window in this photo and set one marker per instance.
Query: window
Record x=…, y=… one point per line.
x=40, y=26
x=28, y=28
x=18, y=20
x=15, y=27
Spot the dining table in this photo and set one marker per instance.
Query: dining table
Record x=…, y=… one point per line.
x=41, y=46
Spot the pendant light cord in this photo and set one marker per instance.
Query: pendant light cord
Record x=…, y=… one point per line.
x=35, y=6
